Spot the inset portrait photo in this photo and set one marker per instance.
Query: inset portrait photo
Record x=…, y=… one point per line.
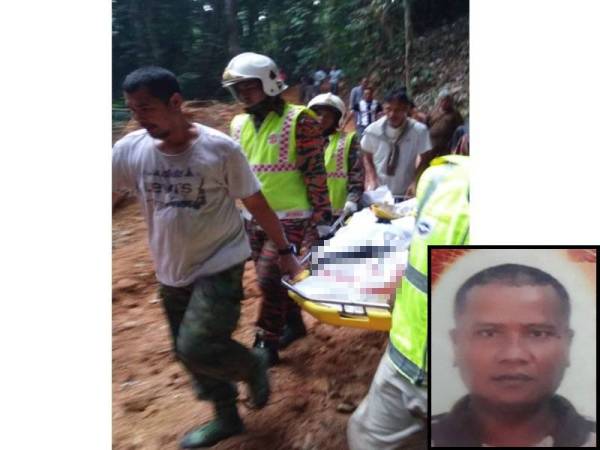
x=513, y=347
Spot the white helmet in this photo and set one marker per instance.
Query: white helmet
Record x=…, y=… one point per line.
x=246, y=66
x=331, y=100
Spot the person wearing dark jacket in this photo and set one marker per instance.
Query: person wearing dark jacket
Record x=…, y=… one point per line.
x=442, y=122
x=455, y=429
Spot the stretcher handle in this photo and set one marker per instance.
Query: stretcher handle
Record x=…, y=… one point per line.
x=305, y=258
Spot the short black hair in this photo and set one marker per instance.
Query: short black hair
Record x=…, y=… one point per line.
x=160, y=83
x=398, y=94
x=512, y=275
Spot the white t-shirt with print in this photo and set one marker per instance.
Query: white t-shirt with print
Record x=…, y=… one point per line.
x=376, y=140
x=188, y=201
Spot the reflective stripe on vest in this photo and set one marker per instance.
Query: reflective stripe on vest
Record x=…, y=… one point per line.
x=271, y=153
x=336, y=166
x=282, y=164
x=236, y=127
x=412, y=274
x=416, y=278
x=409, y=369
x=338, y=152
x=443, y=216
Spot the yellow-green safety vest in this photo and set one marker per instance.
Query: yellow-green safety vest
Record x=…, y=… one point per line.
x=336, y=165
x=442, y=219
x=271, y=152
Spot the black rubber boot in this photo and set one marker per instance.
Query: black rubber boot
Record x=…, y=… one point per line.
x=258, y=384
x=270, y=347
x=294, y=329
x=226, y=424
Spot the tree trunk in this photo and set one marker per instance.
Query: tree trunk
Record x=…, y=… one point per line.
x=385, y=26
x=138, y=32
x=233, y=44
x=407, y=43
x=150, y=29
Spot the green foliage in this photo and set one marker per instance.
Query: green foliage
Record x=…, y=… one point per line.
x=191, y=37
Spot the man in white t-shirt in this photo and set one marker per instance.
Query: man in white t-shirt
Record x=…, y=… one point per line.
x=392, y=145
x=187, y=177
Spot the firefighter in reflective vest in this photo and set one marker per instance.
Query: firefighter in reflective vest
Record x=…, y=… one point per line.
x=283, y=144
x=396, y=405
x=345, y=174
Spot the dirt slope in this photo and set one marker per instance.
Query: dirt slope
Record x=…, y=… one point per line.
x=153, y=403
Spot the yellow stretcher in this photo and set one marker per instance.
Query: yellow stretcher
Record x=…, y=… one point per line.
x=370, y=316
x=344, y=313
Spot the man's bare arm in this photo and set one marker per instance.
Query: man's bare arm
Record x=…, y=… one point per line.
x=370, y=173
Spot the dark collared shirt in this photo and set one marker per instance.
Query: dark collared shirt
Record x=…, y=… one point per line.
x=457, y=428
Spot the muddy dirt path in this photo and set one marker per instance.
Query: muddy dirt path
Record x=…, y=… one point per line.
x=153, y=404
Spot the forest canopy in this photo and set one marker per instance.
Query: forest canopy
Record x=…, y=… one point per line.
x=196, y=38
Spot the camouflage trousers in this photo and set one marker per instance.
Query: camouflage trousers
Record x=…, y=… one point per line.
x=202, y=317
x=276, y=304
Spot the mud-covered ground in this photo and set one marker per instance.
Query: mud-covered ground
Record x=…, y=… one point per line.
x=320, y=380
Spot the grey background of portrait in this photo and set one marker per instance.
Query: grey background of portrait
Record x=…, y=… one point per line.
x=579, y=382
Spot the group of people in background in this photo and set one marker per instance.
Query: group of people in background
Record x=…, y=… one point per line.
x=294, y=169
x=441, y=121
x=396, y=140
x=397, y=163
x=321, y=80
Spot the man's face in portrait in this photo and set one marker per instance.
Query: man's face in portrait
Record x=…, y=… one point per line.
x=511, y=343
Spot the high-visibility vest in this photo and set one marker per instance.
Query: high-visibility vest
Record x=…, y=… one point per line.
x=271, y=152
x=442, y=219
x=336, y=165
